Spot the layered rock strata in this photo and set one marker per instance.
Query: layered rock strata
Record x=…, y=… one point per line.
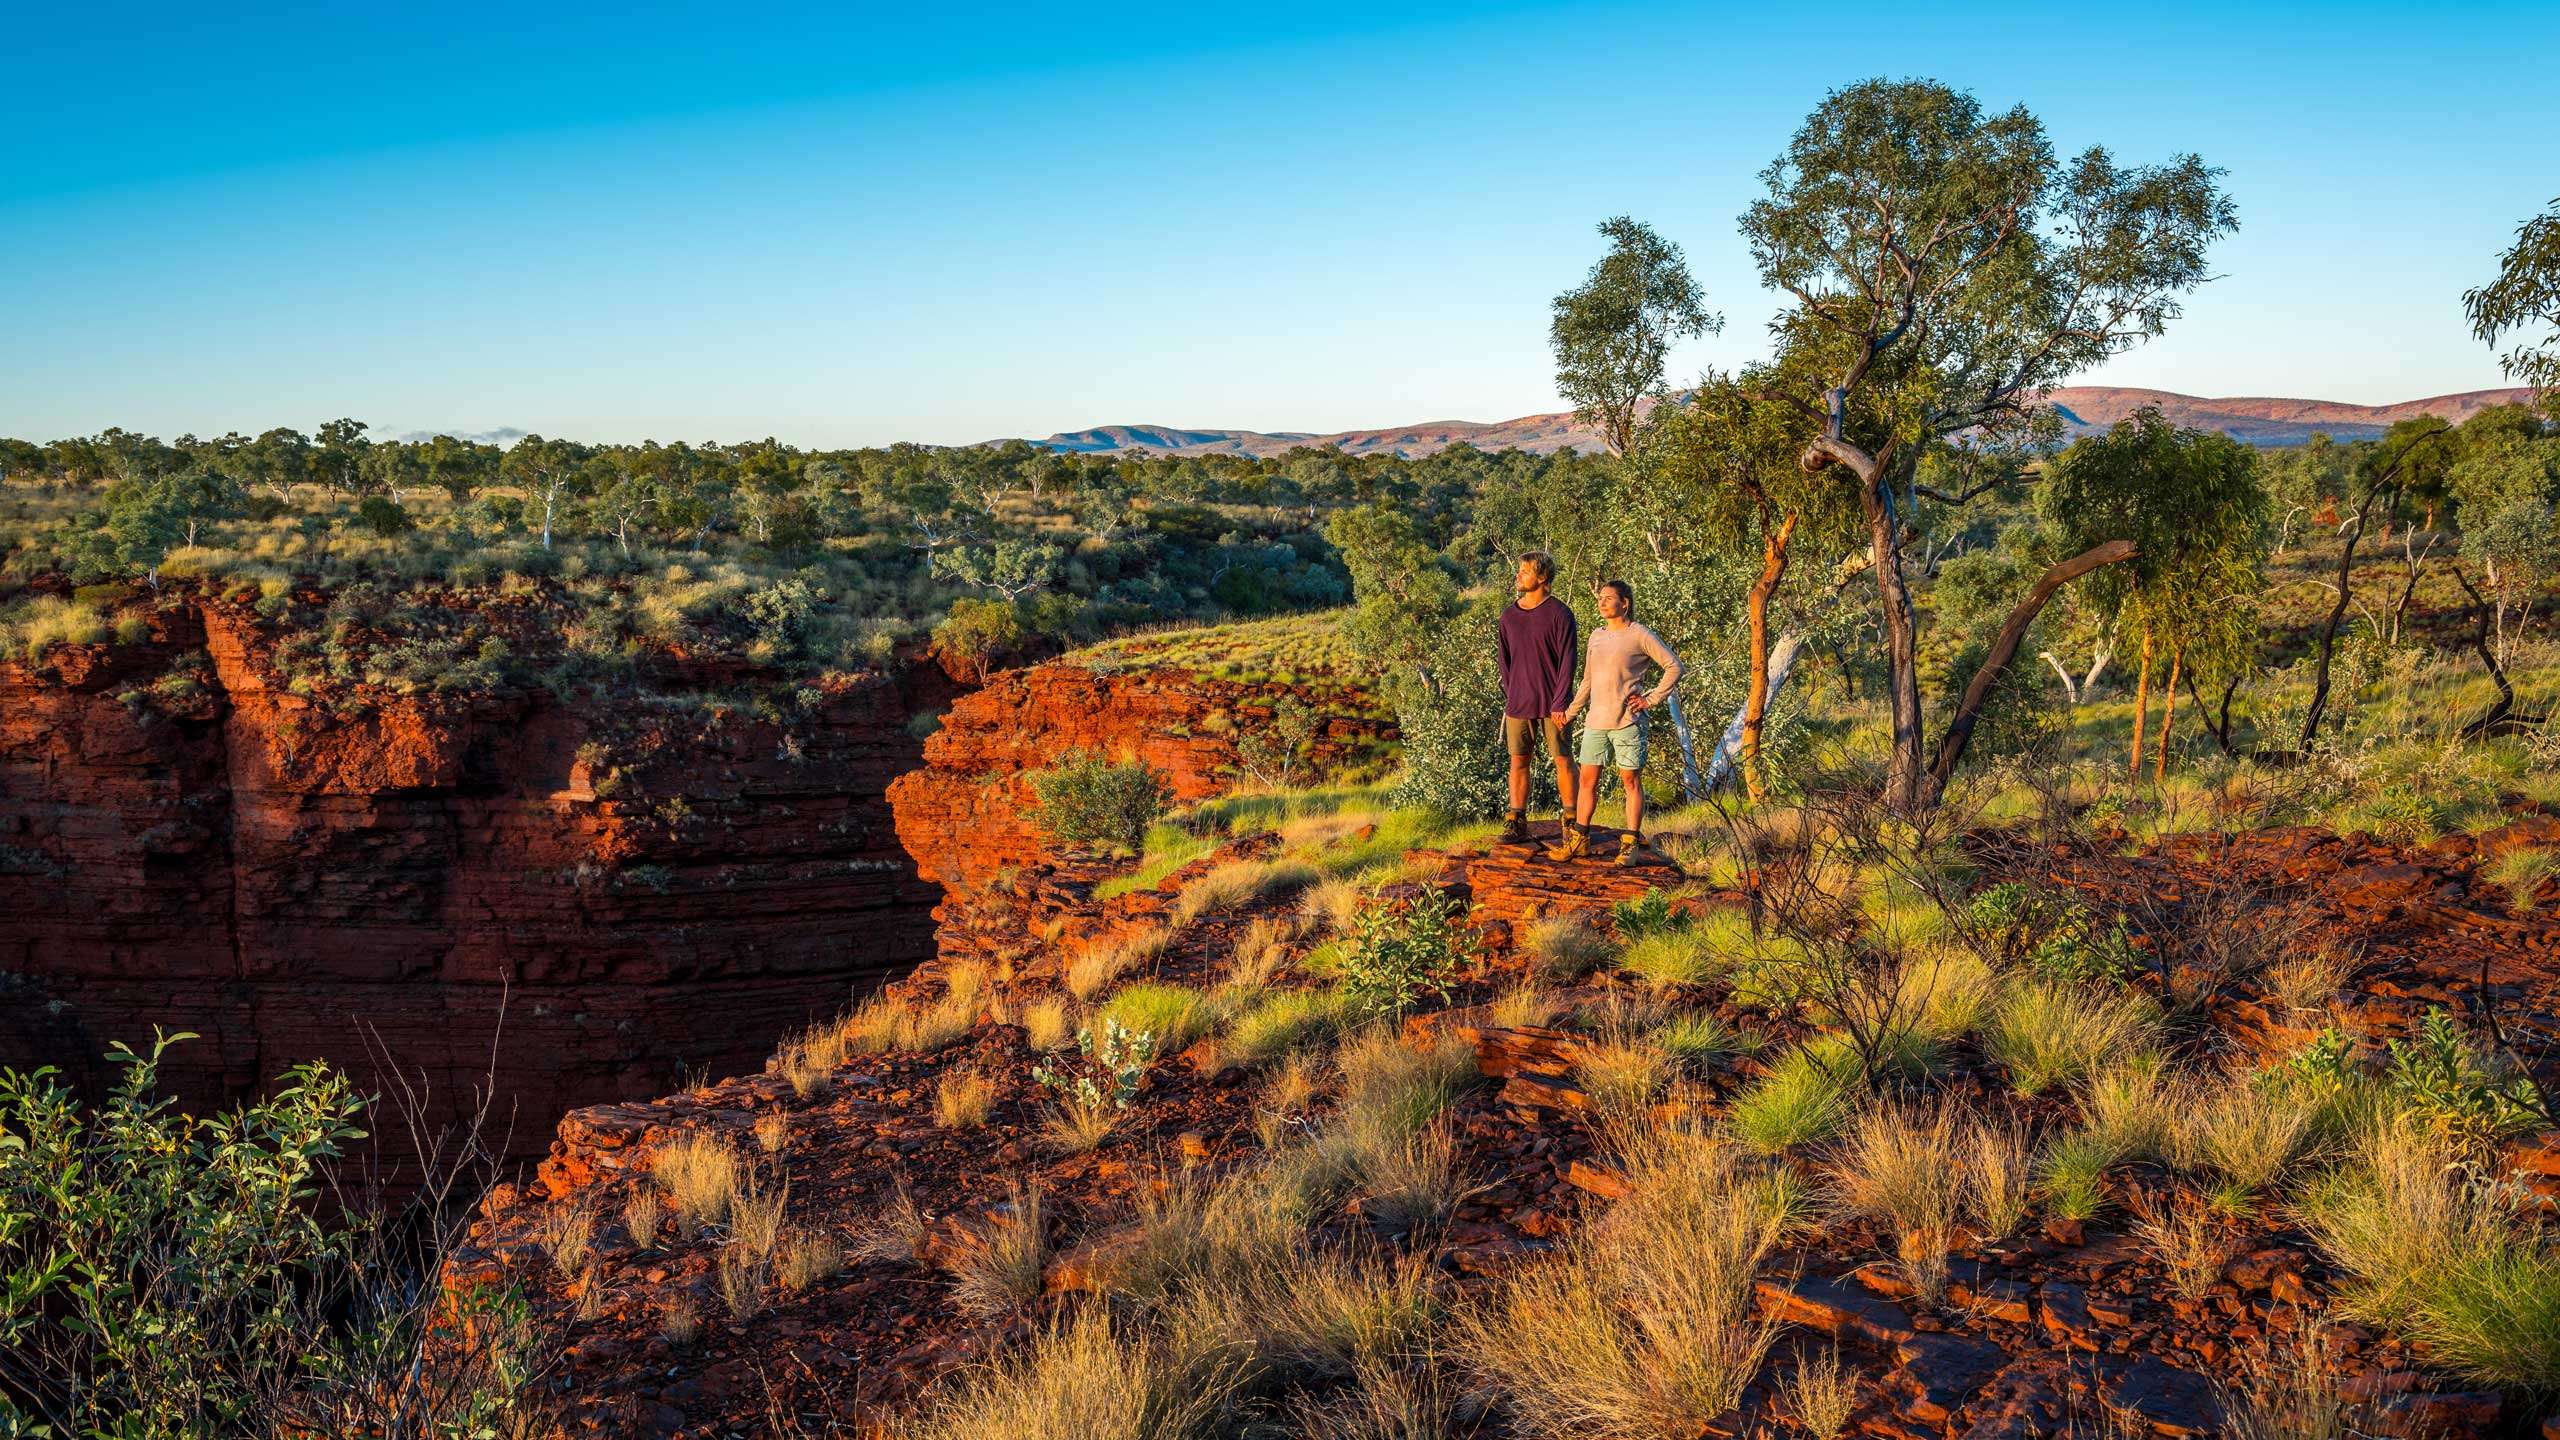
x=469, y=886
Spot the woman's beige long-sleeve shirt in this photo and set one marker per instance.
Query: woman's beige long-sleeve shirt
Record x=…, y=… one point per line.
x=1611, y=676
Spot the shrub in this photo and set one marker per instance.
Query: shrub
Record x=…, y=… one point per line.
x=1651, y=913
x=1403, y=950
x=979, y=633
x=2475, y=1098
x=163, y=1274
x=1823, y=1394
x=1086, y=799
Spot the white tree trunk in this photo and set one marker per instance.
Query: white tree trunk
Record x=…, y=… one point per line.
x=1782, y=658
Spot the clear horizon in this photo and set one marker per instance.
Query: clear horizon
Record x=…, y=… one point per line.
x=674, y=224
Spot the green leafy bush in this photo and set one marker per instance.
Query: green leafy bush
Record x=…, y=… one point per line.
x=1086, y=799
x=1649, y=914
x=1401, y=951
x=1105, y=1075
x=165, y=1275
x=2472, y=1098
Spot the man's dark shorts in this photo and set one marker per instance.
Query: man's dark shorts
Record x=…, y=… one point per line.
x=1521, y=737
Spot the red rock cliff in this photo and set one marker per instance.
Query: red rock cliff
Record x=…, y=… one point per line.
x=970, y=813
x=285, y=876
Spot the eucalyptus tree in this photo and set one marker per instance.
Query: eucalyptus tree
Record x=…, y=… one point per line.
x=548, y=471
x=1731, y=451
x=2194, y=506
x=1613, y=333
x=2524, y=302
x=2413, y=454
x=2506, y=498
x=1946, y=270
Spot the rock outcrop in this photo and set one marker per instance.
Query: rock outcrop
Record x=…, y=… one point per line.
x=970, y=815
x=190, y=840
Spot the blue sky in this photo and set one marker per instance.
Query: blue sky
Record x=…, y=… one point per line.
x=838, y=225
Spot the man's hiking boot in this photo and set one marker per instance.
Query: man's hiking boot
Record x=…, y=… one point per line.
x=1628, y=848
x=1576, y=844
x=1516, y=830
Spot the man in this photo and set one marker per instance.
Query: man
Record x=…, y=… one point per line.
x=1537, y=640
x=1613, y=733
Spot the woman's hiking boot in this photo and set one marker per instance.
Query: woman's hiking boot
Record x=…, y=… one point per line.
x=1575, y=845
x=1515, y=831
x=1628, y=846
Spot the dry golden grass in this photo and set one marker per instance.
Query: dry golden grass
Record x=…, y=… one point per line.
x=741, y=1277
x=773, y=1131
x=1048, y=1025
x=1001, y=1270
x=1335, y=1316
x=1564, y=948
x=2308, y=983
x=1260, y=953
x=1408, y=1181
x=680, y=1321
x=2135, y=1111
x=1097, y=970
x=568, y=1232
x=1642, y=1325
x=808, y=1256
x=896, y=1232
x=1622, y=1071
x=1905, y=1170
x=2189, y=1241
x=2048, y=1034
x=1822, y=1394
x=2246, y=1135
x=1087, y=1378
x=1999, y=1180
x=640, y=1215
x=1383, y=1402
x=1524, y=1005
x=755, y=1219
x=962, y=1099
x=1239, y=884
x=1332, y=904
x=1072, y=1127
x=701, y=1176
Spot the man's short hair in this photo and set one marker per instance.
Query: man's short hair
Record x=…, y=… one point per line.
x=1626, y=594
x=1542, y=562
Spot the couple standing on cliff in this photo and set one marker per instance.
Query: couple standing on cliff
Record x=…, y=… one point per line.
x=1539, y=697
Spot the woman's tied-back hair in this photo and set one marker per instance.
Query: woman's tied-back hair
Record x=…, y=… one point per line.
x=1543, y=563
x=1626, y=594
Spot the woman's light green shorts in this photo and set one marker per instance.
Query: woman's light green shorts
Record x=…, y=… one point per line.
x=1621, y=749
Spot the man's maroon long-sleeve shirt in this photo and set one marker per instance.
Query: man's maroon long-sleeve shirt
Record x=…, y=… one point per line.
x=1538, y=651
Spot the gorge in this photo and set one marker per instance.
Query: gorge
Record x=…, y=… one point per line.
x=571, y=901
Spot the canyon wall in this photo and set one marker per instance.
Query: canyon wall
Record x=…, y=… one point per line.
x=293, y=877
x=969, y=814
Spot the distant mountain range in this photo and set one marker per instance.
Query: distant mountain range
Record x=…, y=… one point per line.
x=2085, y=408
